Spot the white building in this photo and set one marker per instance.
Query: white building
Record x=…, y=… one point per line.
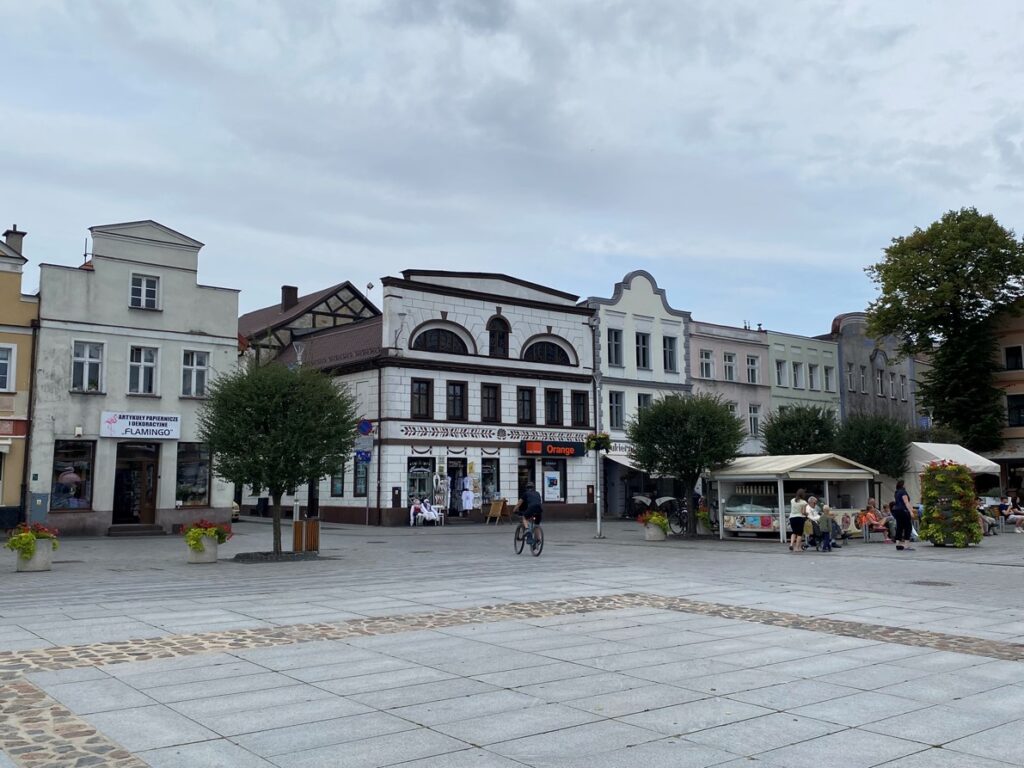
x=472, y=380
x=127, y=346
x=644, y=353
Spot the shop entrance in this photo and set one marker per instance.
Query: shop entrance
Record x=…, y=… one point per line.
x=135, y=480
x=527, y=474
x=457, y=478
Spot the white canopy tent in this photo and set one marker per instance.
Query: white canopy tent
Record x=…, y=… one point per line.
x=923, y=454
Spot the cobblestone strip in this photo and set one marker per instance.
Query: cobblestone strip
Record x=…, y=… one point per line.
x=37, y=732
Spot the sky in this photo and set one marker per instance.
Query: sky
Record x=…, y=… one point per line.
x=753, y=156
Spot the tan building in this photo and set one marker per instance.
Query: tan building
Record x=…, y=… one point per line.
x=18, y=319
x=1009, y=376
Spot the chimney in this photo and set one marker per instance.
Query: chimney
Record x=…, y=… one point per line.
x=14, y=238
x=289, y=297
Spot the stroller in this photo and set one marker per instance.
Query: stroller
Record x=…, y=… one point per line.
x=812, y=535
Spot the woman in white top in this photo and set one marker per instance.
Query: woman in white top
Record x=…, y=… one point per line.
x=797, y=518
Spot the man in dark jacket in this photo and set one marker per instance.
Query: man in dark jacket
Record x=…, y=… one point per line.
x=531, y=509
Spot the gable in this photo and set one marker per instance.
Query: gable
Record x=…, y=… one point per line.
x=148, y=230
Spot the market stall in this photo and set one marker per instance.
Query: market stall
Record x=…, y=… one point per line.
x=921, y=455
x=754, y=491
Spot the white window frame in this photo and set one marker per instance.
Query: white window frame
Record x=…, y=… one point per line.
x=131, y=291
x=86, y=363
x=644, y=400
x=798, y=375
x=729, y=366
x=864, y=379
x=892, y=385
x=643, y=344
x=670, y=354
x=754, y=419
x=753, y=369
x=614, y=423
x=851, y=380
x=812, y=376
x=142, y=365
x=192, y=371
x=707, y=364
x=11, y=383
x=903, y=387
x=879, y=382
x=733, y=407
x=617, y=362
x=830, y=378
x=781, y=373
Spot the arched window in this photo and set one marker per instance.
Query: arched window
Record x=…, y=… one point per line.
x=498, y=330
x=440, y=340
x=546, y=352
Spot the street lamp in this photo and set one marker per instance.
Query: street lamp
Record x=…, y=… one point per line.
x=595, y=323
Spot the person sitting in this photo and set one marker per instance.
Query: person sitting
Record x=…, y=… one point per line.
x=1015, y=515
x=873, y=521
x=987, y=522
x=422, y=512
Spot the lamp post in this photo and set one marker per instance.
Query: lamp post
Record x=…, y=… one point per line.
x=595, y=323
x=300, y=348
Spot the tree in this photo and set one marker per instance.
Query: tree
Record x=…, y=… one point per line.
x=879, y=442
x=682, y=437
x=271, y=427
x=799, y=429
x=941, y=290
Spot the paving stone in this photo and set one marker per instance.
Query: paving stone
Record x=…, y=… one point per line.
x=935, y=689
x=369, y=665
x=467, y=758
x=936, y=726
x=561, y=670
x=422, y=693
x=667, y=753
x=760, y=734
x=150, y=727
x=377, y=751
x=507, y=703
x=581, y=687
x=102, y=695
x=296, y=738
x=635, y=700
x=527, y=722
x=206, y=754
x=575, y=742
x=846, y=749
x=696, y=716
x=735, y=681
x=1000, y=743
x=798, y=693
x=200, y=709
x=305, y=712
x=859, y=708
x=944, y=758
x=381, y=681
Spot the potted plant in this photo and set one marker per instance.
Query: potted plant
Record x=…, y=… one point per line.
x=704, y=526
x=950, y=512
x=202, y=538
x=655, y=526
x=599, y=441
x=34, y=544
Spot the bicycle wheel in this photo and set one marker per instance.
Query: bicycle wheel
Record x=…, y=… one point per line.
x=520, y=539
x=677, y=522
x=538, y=541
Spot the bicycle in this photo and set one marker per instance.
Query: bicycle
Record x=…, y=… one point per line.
x=676, y=514
x=534, y=535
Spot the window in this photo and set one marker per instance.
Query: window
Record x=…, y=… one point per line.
x=553, y=474
x=422, y=399
x=643, y=401
x=1014, y=359
x=359, y=479
x=830, y=379
x=142, y=370
x=7, y=369
x=753, y=369
x=731, y=407
x=581, y=409
x=616, y=417
x=707, y=364
x=798, y=375
x=880, y=382
x=754, y=413
x=456, y=401
x=668, y=352
x=812, y=376
x=892, y=385
x=71, y=486
x=145, y=292
x=440, y=340
x=195, y=368
x=851, y=381
x=643, y=350
x=193, y=481
x=903, y=387
x=553, y=407
x=87, y=367
x=780, y=373
x=338, y=484
x=1015, y=410
x=729, y=366
x=546, y=352
x=490, y=480
x=420, y=478
x=864, y=379
x=525, y=400
x=490, y=403
x=615, y=347
x=497, y=332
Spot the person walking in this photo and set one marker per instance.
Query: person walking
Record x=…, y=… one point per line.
x=797, y=518
x=901, y=511
x=825, y=527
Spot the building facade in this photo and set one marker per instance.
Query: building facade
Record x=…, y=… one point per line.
x=803, y=371
x=874, y=379
x=474, y=382
x=1009, y=377
x=733, y=363
x=128, y=344
x=643, y=353
x=18, y=318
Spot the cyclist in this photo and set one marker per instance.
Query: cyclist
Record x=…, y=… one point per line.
x=531, y=510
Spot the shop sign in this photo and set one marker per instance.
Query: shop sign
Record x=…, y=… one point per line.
x=551, y=449
x=156, y=426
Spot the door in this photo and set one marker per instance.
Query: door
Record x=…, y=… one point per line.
x=456, y=475
x=135, y=483
x=527, y=475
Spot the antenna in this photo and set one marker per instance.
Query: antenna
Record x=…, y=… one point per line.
x=85, y=250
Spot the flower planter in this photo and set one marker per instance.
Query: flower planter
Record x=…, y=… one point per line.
x=703, y=530
x=209, y=553
x=42, y=559
x=653, y=533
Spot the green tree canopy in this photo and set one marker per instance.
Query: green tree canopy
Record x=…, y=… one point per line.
x=879, y=442
x=941, y=289
x=682, y=437
x=799, y=429
x=274, y=428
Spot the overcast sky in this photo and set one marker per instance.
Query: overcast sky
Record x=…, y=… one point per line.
x=754, y=156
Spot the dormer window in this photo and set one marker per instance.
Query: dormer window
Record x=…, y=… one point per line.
x=145, y=292
x=498, y=330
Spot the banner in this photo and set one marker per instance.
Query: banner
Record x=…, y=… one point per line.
x=155, y=426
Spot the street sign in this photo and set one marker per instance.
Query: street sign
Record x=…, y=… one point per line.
x=363, y=457
x=364, y=427
x=363, y=443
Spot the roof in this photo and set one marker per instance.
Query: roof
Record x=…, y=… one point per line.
x=260, y=320
x=145, y=227
x=339, y=346
x=412, y=274
x=810, y=466
x=922, y=454
x=10, y=253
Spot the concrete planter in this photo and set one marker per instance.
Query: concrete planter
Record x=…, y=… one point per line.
x=653, y=533
x=42, y=559
x=209, y=553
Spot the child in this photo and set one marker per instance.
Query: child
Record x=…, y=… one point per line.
x=825, y=526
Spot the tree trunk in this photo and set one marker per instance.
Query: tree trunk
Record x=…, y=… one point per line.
x=276, y=498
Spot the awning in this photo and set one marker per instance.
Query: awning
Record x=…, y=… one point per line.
x=623, y=460
x=813, y=466
x=922, y=454
x=5, y=446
